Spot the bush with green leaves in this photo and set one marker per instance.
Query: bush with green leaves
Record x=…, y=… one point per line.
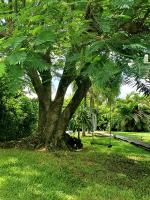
x=132, y=114
x=129, y=114
x=18, y=115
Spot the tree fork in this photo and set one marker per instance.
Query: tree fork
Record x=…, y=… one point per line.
x=67, y=114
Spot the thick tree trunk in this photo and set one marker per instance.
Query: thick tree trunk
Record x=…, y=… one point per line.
x=42, y=121
x=53, y=122
x=50, y=130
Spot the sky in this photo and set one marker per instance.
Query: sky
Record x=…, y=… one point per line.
x=124, y=91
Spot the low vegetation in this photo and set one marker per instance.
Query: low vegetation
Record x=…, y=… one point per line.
x=130, y=114
x=144, y=137
x=96, y=173
x=18, y=113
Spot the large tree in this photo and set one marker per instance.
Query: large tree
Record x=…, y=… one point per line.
x=76, y=41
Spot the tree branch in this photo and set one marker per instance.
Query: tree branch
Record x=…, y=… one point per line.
x=146, y=15
x=83, y=87
x=46, y=82
x=69, y=74
x=80, y=93
x=35, y=79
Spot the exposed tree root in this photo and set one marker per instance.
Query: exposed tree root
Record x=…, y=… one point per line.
x=67, y=142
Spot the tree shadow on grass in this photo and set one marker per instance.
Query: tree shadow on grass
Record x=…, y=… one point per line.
x=93, y=175
x=27, y=177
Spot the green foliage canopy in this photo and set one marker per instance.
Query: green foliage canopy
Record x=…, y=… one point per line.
x=107, y=35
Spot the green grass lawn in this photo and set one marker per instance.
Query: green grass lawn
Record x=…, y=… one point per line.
x=96, y=173
x=145, y=137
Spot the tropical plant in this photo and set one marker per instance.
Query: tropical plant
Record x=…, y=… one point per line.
x=133, y=114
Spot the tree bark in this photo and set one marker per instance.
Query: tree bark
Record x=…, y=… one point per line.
x=56, y=122
x=68, y=112
x=55, y=109
x=83, y=131
x=53, y=121
x=42, y=121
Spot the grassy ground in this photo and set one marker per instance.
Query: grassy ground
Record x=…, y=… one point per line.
x=96, y=173
x=145, y=137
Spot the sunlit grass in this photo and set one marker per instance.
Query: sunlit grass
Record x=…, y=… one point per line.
x=96, y=173
x=145, y=137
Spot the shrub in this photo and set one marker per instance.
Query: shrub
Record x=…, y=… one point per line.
x=18, y=115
